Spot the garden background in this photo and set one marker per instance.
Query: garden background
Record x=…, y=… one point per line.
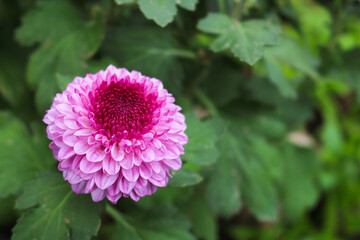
x=271, y=94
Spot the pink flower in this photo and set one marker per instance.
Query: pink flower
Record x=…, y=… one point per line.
x=116, y=134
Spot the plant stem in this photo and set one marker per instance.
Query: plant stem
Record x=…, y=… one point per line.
x=117, y=216
x=207, y=102
x=222, y=6
x=238, y=9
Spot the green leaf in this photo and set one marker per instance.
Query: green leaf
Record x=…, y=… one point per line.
x=151, y=51
x=223, y=189
x=163, y=12
x=288, y=55
x=124, y=1
x=63, y=49
x=244, y=158
x=245, y=39
x=203, y=219
x=255, y=163
x=20, y=157
x=315, y=22
x=63, y=80
x=12, y=81
x=61, y=214
x=183, y=178
x=299, y=185
x=187, y=4
x=226, y=90
x=200, y=149
x=159, y=224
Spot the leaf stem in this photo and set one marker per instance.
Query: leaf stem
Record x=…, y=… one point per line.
x=222, y=6
x=207, y=102
x=118, y=217
x=238, y=9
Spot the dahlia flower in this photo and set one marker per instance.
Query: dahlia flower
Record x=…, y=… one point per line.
x=116, y=134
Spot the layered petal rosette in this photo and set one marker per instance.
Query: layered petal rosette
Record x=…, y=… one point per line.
x=115, y=134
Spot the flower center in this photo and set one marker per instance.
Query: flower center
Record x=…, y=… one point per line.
x=122, y=109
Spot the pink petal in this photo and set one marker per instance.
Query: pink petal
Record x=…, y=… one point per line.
x=110, y=166
x=117, y=153
x=103, y=181
x=69, y=138
x=83, y=132
x=97, y=195
x=83, y=121
x=145, y=171
x=65, y=152
x=156, y=166
x=81, y=147
x=134, y=196
x=79, y=187
x=64, y=108
x=126, y=186
x=174, y=164
x=95, y=154
x=70, y=123
x=172, y=152
x=89, y=167
x=131, y=174
x=128, y=162
x=148, y=155
x=114, y=198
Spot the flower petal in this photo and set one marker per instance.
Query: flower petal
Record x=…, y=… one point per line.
x=110, y=166
x=103, y=181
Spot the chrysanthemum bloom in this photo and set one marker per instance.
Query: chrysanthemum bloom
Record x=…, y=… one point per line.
x=116, y=134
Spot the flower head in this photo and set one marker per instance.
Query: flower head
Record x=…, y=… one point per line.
x=116, y=134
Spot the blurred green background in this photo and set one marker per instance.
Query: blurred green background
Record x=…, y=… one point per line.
x=271, y=94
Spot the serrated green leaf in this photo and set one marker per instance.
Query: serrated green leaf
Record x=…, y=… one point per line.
x=241, y=171
x=61, y=213
x=223, y=190
x=162, y=12
x=257, y=174
x=290, y=54
x=203, y=219
x=151, y=51
x=200, y=149
x=245, y=39
x=20, y=157
x=63, y=49
x=124, y=1
x=187, y=4
x=153, y=225
x=183, y=178
x=299, y=185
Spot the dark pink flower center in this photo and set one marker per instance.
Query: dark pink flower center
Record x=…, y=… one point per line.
x=122, y=109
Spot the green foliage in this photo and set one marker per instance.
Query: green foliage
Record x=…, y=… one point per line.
x=288, y=54
x=183, y=178
x=245, y=39
x=162, y=12
x=20, y=157
x=270, y=91
x=202, y=138
x=61, y=213
x=158, y=224
x=151, y=51
x=64, y=48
